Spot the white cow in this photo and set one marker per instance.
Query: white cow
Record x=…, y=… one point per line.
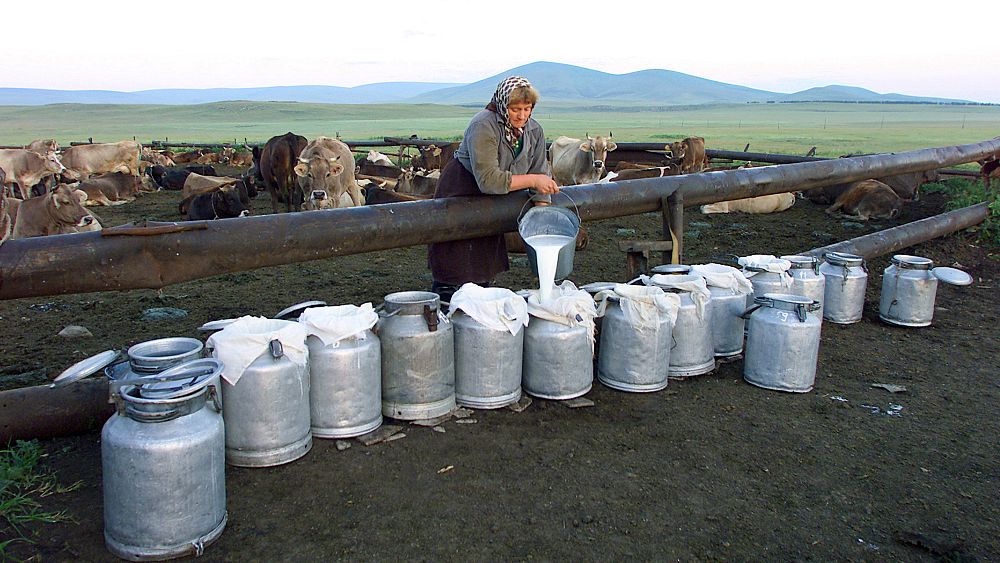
x=764, y=204
x=579, y=162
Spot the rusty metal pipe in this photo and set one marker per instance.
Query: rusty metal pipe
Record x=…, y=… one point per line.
x=88, y=262
x=41, y=412
x=890, y=240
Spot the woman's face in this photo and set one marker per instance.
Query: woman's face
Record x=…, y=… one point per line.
x=518, y=114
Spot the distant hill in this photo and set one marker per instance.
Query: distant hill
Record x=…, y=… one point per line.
x=380, y=93
x=558, y=83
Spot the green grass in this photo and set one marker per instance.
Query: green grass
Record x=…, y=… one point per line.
x=963, y=193
x=834, y=128
x=21, y=484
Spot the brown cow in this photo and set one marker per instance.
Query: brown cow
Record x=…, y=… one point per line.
x=867, y=199
x=419, y=183
x=43, y=146
x=989, y=169
x=84, y=161
x=114, y=189
x=187, y=157
x=772, y=203
x=57, y=212
x=689, y=154
x=277, y=160
x=209, y=158
x=433, y=157
x=155, y=157
x=240, y=158
x=906, y=186
x=327, y=164
x=26, y=168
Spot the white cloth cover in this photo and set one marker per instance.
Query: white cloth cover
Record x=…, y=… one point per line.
x=693, y=285
x=567, y=306
x=724, y=277
x=768, y=263
x=333, y=324
x=242, y=342
x=643, y=306
x=496, y=308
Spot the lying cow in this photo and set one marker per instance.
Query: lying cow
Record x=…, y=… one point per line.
x=114, y=189
x=173, y=179
x=26, y=168
x=186, y=157
x=326, y=164
x=419, y=183
x=906, y=186
x=579, y=162
x=773, y=203
x=196, y=184
x=378, y=158
x=155, y=157
x=84, y=161
x=241, y=158
x=868, y=199
x=57, y=212
x=225, y=203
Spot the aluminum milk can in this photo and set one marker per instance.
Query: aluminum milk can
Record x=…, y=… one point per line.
x=163, y=460
x=418, y=357
x=806, y=280
x=267, y=409
x=558, y=360
x=487, y=364
x=693, y=351
x=758, y=269
x=729, y=290
x=345, y=386
x=844, y=291
x=782, y=343
x=909, y=288
x=632, y=359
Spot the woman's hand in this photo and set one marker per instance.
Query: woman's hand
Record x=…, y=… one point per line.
x=545, y=185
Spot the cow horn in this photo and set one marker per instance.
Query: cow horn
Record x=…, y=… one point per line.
x=303, y=160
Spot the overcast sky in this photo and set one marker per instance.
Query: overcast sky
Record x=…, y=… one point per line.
x=915, y=48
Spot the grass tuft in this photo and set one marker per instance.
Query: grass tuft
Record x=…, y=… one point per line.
x=961, y=193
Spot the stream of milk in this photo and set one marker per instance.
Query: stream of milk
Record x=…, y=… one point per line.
x=546, y=259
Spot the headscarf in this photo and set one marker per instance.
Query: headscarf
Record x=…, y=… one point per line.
x=499, y=105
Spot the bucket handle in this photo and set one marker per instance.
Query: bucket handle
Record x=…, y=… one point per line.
x=532, y=197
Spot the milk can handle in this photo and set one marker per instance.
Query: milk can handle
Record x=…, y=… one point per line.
x=531, y=198
x=277, y=350
x=746, y=314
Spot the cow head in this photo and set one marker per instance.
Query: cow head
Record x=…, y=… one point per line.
x=65, y=205
x=52, y=164
x=677, y=151
x=317, y=171
x=598, y=147
x=318, y=195
x=227, y=203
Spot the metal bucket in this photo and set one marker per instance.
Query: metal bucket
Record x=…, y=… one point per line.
x=345, y=387
x=633, y=360
x=558, y=360
x=782, y=343
x=418, y=357
x=806, y=280
x=909, y=289
x=550, y=220
x=487, y=364
x=163, y=470
x=844, y=290
x=267, y=412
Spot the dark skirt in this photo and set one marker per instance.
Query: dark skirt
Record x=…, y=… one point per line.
x=477, y=260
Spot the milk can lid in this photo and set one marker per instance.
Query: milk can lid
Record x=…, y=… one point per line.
x=216, y=325
x=671, y=269
x=292, y=313
x=597, y=287
x=85, y=368
x=844, y=259
x=952, y=276
x=800, y=261
x=183, y=379
x=787, y=298
x=912, y=262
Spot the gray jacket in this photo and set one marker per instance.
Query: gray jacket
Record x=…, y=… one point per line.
x=490, y=159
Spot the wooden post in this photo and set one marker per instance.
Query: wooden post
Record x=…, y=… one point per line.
x=672, y=213
x=637, y=254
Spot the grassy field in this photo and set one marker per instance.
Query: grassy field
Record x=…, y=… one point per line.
x=834, y=128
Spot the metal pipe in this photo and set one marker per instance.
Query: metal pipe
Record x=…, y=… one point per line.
x=41, y=412
x=896, y=238
x=119, y=259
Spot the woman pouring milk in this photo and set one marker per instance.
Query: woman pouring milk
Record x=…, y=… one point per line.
x=503, y=150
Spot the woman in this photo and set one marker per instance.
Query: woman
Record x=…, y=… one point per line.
x=503, y=150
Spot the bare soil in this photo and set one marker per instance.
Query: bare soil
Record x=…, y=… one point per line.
x=708, y=469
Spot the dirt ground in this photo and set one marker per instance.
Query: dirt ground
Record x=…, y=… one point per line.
x=708, y=469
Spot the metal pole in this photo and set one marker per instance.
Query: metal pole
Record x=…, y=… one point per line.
x=122, y=258
x=896, y=238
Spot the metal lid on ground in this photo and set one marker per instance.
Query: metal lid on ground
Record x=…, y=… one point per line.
x=952, y=276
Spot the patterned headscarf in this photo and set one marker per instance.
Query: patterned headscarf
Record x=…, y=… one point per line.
x=499, y=105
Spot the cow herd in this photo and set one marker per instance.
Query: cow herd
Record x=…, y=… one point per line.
x=46, y=190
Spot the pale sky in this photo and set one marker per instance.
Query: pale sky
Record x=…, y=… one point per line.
x=917, y=48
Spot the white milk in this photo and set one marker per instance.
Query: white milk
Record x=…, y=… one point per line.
x=547, y=258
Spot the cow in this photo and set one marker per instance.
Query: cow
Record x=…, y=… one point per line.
x=418, y=183
x=172, y=179
x=376, y=157
x=772, y=203
x=84, y=161
x=224, y=203
x=113, y=189
x=277, y=163
x=26, y=168
x=186, y=157
x=196, y=184
x=155, y=158
x=6, y=217
x=867, y=199
x=638, y=173
x=326, y=164
x=689, y=154
x=377, y=195
x=209, y=158
x=319, y=199
x=906, y=186
x=988, y=169
x=579, y=162
x=43, y=146
x=58, y=212
x=433, y=157
x=240, y=158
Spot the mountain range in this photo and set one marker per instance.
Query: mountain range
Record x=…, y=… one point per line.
x=557, y=83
